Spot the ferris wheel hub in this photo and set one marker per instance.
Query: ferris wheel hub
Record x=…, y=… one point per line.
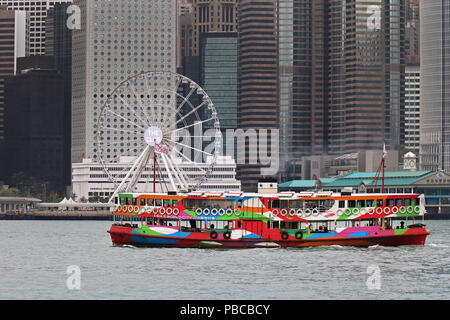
x=153, y=136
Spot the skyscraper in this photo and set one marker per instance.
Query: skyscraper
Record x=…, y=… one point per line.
x=117, y=40
x=58, y=44
x=258, y=77
x=34, y=124
x=329, y=74
x=366, y=75
x=435, y=85
x=218, y=55
x=212, y=16
x=38, y=13
x=302, y=67
x=412, y=108
x=12, y=45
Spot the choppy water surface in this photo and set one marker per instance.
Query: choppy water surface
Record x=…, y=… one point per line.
x=35, y=255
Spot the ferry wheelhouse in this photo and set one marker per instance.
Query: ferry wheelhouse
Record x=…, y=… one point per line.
x=251, y=220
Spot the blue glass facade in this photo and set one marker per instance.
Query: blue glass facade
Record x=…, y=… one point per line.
x=219, y=77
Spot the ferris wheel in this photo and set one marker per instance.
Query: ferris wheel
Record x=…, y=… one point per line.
x=156, y=120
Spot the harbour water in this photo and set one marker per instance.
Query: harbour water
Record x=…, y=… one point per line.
x=36, y=259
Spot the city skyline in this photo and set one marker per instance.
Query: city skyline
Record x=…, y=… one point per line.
x=326, y=95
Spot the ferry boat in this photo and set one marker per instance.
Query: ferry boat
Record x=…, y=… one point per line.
x=253, y=220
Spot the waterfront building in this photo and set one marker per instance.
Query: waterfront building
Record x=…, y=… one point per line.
x=90, y=180
x=434, y=185
x=412, y=108
x=37, y=15
x=18, y=205
x=435, y=89
x=117, y=40
x=34, y=126
x=327, y=166
x=13, y=40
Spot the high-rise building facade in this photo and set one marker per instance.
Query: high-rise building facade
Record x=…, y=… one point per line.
x=12, y=45
x=37, y=14
x=435, y=85
x=34, y=125
x=366, y=74
x=258, y=77
x=329, y=74
x=412, y=108
x=58, y=44
x=218, y=65
x=212, y=16
x=302, y=68
x=117, y=40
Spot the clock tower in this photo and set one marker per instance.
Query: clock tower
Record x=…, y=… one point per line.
x=410, y=162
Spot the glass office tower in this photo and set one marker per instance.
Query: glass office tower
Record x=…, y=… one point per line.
x=435, y=85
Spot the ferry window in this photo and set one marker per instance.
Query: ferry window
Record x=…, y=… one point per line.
x=218, y=204
x=135, y=201
x=284, y=203
x=175, y=203
x=341, y=203
x=151, y=202
x=407, y=202
x=189, y=203
x=389, y=202
x=361, y=203
x=398, y=202
x=158, y=202
x=275, y=203
x=128, y=200
x=166, y=203
x=369, y=203
x=296, y=204
x=122, y=200
x=116, y=200
x=142, y=202
x=351, y=203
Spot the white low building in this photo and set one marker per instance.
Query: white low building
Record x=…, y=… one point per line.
x=89, y=178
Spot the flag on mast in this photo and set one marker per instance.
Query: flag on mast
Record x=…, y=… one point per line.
x=384, y=151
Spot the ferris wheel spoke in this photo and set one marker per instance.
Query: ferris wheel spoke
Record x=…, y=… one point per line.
x=182, y=177
x=190, y=161
x=186, y=99
x=135, y=164
x=194, y=124
x=195, y=149
x=119, y=116
x=132, y=110
x=191, y=112
x=133, y=88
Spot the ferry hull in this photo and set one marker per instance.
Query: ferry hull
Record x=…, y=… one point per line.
x=127, y=236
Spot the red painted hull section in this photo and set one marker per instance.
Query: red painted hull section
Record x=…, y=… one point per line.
x=124, y=236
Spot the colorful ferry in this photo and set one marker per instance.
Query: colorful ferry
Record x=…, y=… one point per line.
x=253, y=220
